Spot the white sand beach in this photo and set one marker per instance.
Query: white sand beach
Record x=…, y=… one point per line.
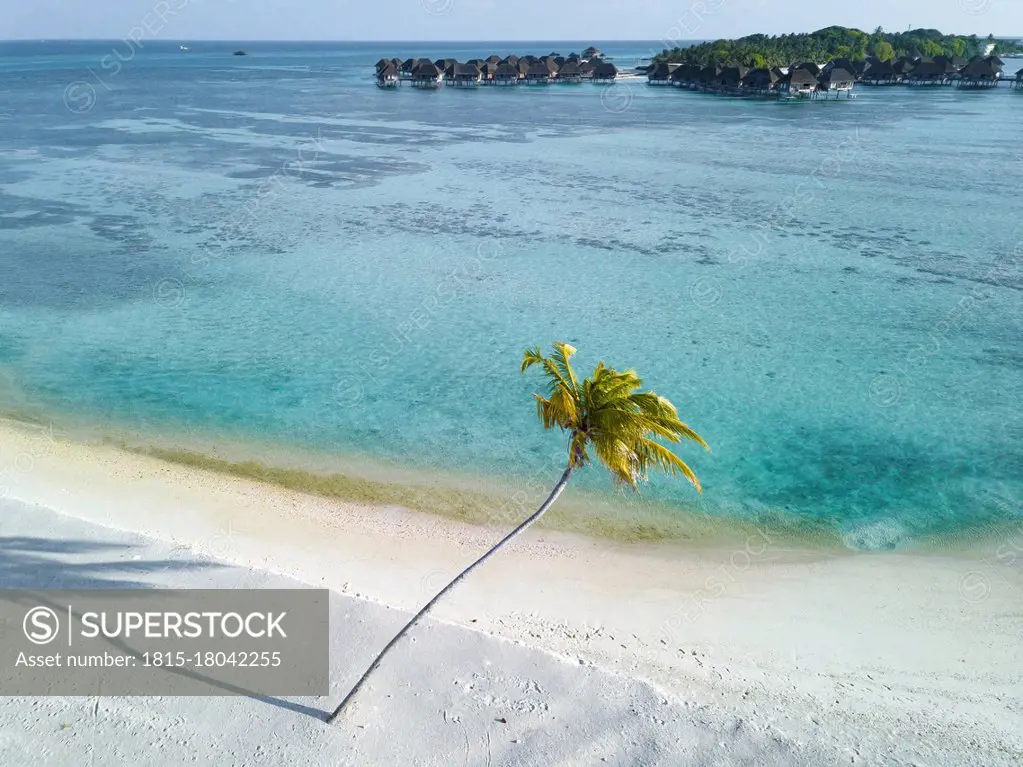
x=562, y=651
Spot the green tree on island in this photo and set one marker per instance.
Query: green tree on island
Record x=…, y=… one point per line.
x=606, y=413
x=830, y=43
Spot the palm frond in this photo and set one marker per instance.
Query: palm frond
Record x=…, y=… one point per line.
x=561, y=356
x=608, y=412
x=652, y=453
x=530, y=357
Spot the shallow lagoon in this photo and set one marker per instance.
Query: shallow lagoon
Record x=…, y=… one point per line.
x=273, y=249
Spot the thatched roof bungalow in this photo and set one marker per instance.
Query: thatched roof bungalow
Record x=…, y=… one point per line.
x=462, y=75
x=605, y=72
x=426, y=76
x=799, y=83
x=551, y=63
x=760, y=81
x=686, y=76
x=929, y=72
x=570, y=72
x=538, y=74
x=660, y=74
x=951, y=64
x=506, y=74
x=387, y=76
x=981, y=73
x=808, y=66
x=904, y=65
x=708, y=75
x=844, y=63
x=1018, y=85
x=592, y=53
x=880, y=73
x=837, y=81
x=730, y=77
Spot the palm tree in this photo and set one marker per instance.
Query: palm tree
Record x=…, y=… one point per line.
x=606, y=412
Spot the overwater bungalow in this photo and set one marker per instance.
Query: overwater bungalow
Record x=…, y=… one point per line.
x=570, y=72
x=462, y=75
x=426, y=76
x=952, y=64
x=880, y=73
x=728, y=79
x=686, y=76
x=660, y=74
x=981, y=73
x=495, y=59
x=510, y=59
x=538, y=74
x=707, y=76
x=409, y=66
x=837, y=82
x=487, y=72
x=444, y=64
x=903, y=66
x=1018, y=84
x=523, y=66
x=587, y=68
x=551, y=62
x=387, y=76
x=592, y=53
x=929, y=72
x=760, y=82
x=843, y=63
x=799, y=83
x=808, y=66
x=605, y=72
x=506, y=74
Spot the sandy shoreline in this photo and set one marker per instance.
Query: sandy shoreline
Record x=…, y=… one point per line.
x=866, y=657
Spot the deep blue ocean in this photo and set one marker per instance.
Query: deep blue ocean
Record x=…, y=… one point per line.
x=270, y=248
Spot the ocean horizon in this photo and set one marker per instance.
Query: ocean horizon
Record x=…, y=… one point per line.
x=270, y=250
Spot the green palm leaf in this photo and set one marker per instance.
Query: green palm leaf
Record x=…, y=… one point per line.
x=609, y=413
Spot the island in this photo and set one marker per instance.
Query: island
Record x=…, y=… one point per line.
x=837, y=43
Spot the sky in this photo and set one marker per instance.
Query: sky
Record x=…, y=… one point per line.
x=667, y=20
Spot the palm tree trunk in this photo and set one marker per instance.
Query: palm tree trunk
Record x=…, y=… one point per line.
x=458, y=579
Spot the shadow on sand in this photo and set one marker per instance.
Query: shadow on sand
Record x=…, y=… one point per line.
x=34, y=563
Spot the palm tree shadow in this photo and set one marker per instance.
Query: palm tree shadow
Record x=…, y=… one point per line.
x=29, y=563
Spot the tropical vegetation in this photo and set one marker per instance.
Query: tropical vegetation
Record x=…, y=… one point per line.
x=607, y=414
x=835, y=42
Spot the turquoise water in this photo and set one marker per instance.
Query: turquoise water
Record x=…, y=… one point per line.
x=270, y=247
